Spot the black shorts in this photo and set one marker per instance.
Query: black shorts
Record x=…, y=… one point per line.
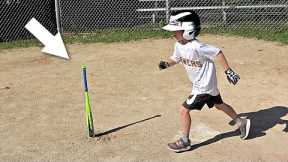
x=196, y=102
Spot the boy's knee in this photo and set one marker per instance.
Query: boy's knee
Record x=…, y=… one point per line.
x=184, y=110
x=220, y=106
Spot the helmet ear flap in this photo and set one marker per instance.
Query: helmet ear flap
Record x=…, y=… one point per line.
x=190, y=30
x=189, y=34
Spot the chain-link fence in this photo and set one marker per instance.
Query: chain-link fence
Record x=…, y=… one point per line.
x=15, y=14
x=93, y=16
x=89, y=16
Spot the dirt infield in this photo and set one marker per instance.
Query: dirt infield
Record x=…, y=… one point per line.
x=135, y=106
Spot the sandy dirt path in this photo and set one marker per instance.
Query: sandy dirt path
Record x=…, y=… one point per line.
x=135, y=106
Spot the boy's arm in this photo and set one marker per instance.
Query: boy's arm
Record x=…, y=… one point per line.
x=166, y=64
x=232, y=77
x=222, y=60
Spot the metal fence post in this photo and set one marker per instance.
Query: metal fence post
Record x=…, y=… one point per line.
x=58, y=20
x=224, y=13
x=167, y=11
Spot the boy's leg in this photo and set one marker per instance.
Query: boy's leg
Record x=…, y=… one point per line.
x=193, y=102
x=186, y=123
x=227, y=109
x=242, y=124
x=183, y=144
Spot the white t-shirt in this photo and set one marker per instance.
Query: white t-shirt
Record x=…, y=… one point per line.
x=198, y=60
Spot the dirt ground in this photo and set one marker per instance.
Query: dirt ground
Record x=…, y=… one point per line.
x=136, y=106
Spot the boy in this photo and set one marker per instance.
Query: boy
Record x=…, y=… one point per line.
x=198, y=60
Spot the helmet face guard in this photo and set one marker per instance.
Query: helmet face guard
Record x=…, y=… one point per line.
x=189, y=27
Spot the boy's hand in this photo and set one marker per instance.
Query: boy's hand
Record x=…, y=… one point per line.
x=232, y=76
x=163, y=65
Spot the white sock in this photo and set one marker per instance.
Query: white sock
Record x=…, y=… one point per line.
x=185, y=138
x=238, y=121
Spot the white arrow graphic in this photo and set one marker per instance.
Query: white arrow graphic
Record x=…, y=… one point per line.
x=53, y=44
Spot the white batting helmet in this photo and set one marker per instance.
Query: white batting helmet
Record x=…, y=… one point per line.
x=188, y=21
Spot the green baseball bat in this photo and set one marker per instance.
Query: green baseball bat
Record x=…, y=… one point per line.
x=88, y=112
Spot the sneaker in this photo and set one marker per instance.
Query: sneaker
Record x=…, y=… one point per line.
x=244, y=128
x=180, y=146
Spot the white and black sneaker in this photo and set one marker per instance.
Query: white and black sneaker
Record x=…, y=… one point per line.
x=244, y=128
x=180, y=146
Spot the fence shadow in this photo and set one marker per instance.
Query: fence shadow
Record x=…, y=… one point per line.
x=124, y=126
x=261, y=122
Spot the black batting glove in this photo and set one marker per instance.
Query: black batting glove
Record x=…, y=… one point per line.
x=232, y=77
x=163, y=65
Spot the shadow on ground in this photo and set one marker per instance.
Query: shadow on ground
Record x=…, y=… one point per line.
x=124, y=126
x=261, y=122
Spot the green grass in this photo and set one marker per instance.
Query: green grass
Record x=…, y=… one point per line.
x=261, y=34
x=19, y=44
x=122, y=36
x=106, y=37
x=116, y=36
